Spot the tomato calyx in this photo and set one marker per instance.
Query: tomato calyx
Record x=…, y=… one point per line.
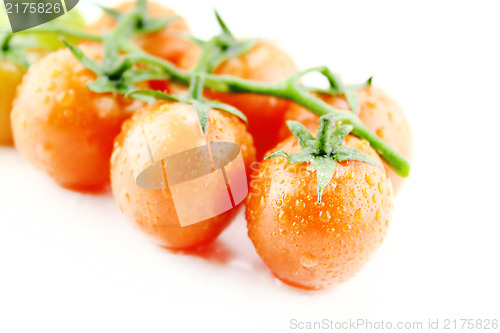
x=201, y=105
x=138, y=19
x=324, y=150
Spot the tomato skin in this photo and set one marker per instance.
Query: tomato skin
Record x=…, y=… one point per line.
x=153, y=209
x=267, y=63
x=166, y=43
x=61, y=126
x=314, y=245
x=380, y=113
x=11, y=75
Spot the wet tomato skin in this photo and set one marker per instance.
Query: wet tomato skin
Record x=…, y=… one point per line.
x=153, y=209
x=166, y=43
x=265, y=62
x=314, y=245
x=61, y=126
x=379, y=112
x=11, y=75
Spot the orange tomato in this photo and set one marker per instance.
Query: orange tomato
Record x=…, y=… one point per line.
x=380, y=113
x=313, y=245
x=154, y=209
x=61, y=126
x=267, y=63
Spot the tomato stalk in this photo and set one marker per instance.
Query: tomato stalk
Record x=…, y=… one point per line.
x=220, y=48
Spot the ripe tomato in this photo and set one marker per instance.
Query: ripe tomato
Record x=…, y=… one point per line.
x=154, y=209
x=314, y=245
x=380, y=113
x=61, y=126
x=166, y=43
x=267, y=63
x=11, y=75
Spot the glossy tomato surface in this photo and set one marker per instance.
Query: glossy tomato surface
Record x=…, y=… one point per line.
x=154, y=209
x=309, y=244
x=64, y=128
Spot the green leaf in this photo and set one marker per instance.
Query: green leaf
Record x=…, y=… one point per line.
x=115, y=15
x=152, y=93
x=325, y=169
x=193, y=39
x=84, y=60
x=228, y=108
x=292, y=159
x=102, y=85
x=154, y=25
x=350, y=154
x=237, y=48
x=138, y=75
x=110, y=52
x=300, y=132
x=369, y=81
x=338, y=134
x=223, y=25
x=202, y=110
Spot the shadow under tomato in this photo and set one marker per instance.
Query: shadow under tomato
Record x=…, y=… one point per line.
x=216, y=252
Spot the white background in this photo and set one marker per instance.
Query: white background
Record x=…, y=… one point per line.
x=71, y=263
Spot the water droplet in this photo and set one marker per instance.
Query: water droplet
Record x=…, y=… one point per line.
x=308, y=260
x=378, y=215
x=352, y=194
x=287, y=198
x=300, y=205
x=375, y=197
x=325, y=216
x=346, y=227
x=370, y=179
x=279, y=160
x=381, y=187
x=358, y=215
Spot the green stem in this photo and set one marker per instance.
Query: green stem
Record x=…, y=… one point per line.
x=291, y=90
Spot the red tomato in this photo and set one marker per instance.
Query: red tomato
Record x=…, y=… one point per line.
x=154, y=209
x=61, y=126
x=313, y=245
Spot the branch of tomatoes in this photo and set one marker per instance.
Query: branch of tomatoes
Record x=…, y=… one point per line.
x=120, y=72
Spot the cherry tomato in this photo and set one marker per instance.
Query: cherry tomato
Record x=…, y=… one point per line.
x=267, y=63
x=154, y=209
x=11, y=75
x=313, y=245
x=380, y=113
x=64, y=128
x=167, y=43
